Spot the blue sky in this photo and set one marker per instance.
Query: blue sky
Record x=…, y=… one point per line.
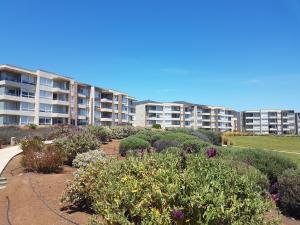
x=243, y=54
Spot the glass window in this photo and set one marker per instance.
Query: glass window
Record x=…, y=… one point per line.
x=45, y=81
x=45, y=121
x=26, y=119
x=27, y=79
x=26, y=106
x=45, y=107
x=27, y=94
x=46, y=94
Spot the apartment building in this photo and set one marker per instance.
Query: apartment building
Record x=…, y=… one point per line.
x=184, y=115
x=297, y=123
x=44, y=98
x=269, y=121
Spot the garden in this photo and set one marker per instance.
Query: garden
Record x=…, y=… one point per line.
x=155, y=176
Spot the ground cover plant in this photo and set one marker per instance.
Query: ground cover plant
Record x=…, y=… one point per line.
x=154, y=190
x=83, y=159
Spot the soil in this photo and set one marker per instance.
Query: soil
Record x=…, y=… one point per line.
x=34, y=198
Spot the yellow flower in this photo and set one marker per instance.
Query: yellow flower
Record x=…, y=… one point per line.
x=134, y=191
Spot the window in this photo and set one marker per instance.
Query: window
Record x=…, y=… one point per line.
x=26, y=120
x=27, y=94
x=26, y=106
x=27, y=79
x=45, y=121
x=46, y=94
x=46, y=82
x=82, y=101
x=45, y=108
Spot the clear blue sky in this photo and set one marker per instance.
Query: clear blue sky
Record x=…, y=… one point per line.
x=243, y=54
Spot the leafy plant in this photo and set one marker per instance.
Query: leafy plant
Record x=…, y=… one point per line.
x=77, y=143
x=156, y=126
x=84, y=159
x=103, y=134
x=214, y=137
x=133, y=144
x=289, y=192
x=163, y=144
x=194, y=145
x=151, y=190
x=269, y=163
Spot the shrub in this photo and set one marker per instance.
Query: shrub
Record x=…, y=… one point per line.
x=103, y=134
x=123, y=131
x=34, y=144
x=199, y=135
x=163, y=144
x=32, y=126
x=79, y=189
x=289, y=192
x=83, y=159
x=77, y=143
x=151, y=190
x=214, y=137
x=39, y=157
x=194, y=145
x=270, y=163
x=61, y=131
x=156, y=126
x=133, y=144
x=177, y=136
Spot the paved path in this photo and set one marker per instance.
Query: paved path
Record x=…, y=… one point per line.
x=6, y=154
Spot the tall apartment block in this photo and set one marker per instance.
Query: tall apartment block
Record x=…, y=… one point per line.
x=269, y=121
x=44, y=98
x=184, y=115
x=297, y=121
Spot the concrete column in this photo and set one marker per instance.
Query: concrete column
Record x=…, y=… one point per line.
x=37, y=100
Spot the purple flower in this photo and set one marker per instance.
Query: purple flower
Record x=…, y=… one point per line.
x=211, y=152
x=275, y=197
x=177, y=214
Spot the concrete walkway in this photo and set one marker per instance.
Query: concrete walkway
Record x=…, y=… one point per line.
x=6, y=154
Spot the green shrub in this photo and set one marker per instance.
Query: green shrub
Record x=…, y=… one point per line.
x=199, y=135
x=156, y=126
x=289, y=192
x=78, y=191
x=151, y=190
x=163, y=144
x=214, y=137
x=40, y=157
x=177, y=136
x=83, y=159
x=32, y=126
x=103, y=134
x=172, y=150
x=133, y=144
x=194, y=146
x=270, y=163
x=77, y=143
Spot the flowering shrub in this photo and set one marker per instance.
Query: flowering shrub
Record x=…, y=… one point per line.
x=123, y=131
x=39, y=157
x=199, y=135
x=214, y=137
x=103, y=134
x=83, y=159
x=180, y=137
x=77, y=143
x=163, y=144
x=211, y=152
x=151, y=190
x=289, y=192
x=133, y=144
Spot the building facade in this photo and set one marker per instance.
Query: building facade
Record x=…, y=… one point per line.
x=297, y=122
x=44, y=98
x=184, y=115
x=269, y=121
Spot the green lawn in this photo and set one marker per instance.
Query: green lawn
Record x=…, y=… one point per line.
x=274, y=143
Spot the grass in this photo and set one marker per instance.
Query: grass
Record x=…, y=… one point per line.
x=287, y=146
